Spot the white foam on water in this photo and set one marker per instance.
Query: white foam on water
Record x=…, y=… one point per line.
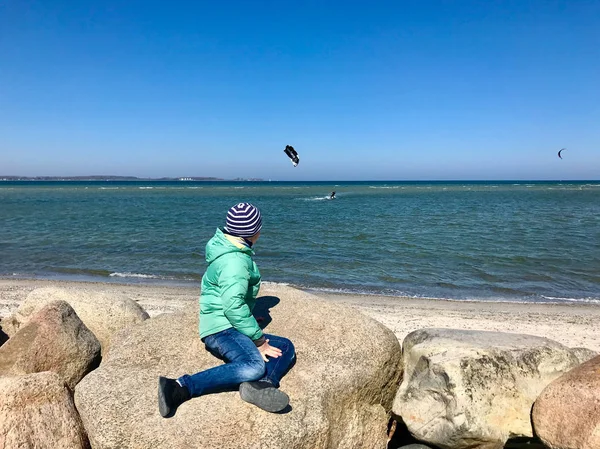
x=400, y=294
x=268, y=283
x=135, y=275
x=149, y=276
x=318, y=198
x=573, y=300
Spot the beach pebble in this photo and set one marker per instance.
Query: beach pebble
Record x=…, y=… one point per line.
x=466, y=388
x=37, y=411
x=341, y=388
x=54, y=339
x=567, y=412
x=104, y=313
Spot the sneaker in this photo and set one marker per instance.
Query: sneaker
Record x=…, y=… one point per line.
x=170, y=395
x=264, y=395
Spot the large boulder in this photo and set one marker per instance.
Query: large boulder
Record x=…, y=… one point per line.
x=54, y=339
x=37, y=411
x=567, y=412
x=475, y=389
x=341, y=388
x=103, y=313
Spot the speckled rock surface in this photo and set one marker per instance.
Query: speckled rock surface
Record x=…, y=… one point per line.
x=341, y=388
x=466, y=389
x=37, y=411
x=567, y=412
x=54, y=339
x=103, y=313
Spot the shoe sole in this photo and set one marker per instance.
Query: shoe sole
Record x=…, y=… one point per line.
x=269, y=399
x=163, y=408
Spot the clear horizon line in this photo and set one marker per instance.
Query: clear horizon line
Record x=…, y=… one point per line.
x=252, y=179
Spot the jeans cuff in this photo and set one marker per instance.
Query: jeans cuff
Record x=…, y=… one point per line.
x=183, y=381
x=271, y=381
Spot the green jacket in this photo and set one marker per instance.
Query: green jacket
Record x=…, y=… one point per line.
x=229, y=287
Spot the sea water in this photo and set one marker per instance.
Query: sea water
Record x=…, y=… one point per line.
x=501, y=241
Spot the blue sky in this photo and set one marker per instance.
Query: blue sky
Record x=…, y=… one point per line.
x=363, y=90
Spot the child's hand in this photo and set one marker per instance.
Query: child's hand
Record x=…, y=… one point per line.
x=267, y=350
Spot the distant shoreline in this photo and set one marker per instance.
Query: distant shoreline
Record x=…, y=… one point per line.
x=101, y=178
x=116, y=178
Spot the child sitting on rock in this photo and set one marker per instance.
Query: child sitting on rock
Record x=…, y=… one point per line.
x=254, y=361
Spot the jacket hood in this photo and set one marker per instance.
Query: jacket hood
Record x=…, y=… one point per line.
x=219, y=244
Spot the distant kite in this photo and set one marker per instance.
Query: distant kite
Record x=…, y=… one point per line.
x=561, y=152
x=291, y=153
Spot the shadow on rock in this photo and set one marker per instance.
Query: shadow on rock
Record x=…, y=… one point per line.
x=3, y=337
x=264, y=304
x=400, y=437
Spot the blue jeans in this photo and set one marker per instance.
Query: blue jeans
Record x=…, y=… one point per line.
x=243, y=363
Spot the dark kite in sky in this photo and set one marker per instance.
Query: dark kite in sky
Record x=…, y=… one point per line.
x=289, y=150
x=561, y=152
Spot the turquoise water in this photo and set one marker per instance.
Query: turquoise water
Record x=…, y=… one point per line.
x=515, y=241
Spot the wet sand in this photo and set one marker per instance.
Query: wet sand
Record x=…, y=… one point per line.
x=574, y=325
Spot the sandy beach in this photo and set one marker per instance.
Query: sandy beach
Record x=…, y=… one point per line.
x=574, y=325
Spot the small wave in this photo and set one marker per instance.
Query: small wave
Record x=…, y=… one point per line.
x=151, y=276
x=145, y=188
x=108, y=188
x=573, y=300
x=271, y=283
x=361, y=292
x=318, y=198
x=135, y=275
x=401, y=294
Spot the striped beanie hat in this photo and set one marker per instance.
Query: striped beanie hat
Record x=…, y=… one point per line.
x=243, y=220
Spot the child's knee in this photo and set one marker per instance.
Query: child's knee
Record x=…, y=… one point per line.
x=253, y=371
x=289, y=347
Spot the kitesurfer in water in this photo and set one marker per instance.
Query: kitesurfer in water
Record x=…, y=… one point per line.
x=255, y=362
x=332, y=196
